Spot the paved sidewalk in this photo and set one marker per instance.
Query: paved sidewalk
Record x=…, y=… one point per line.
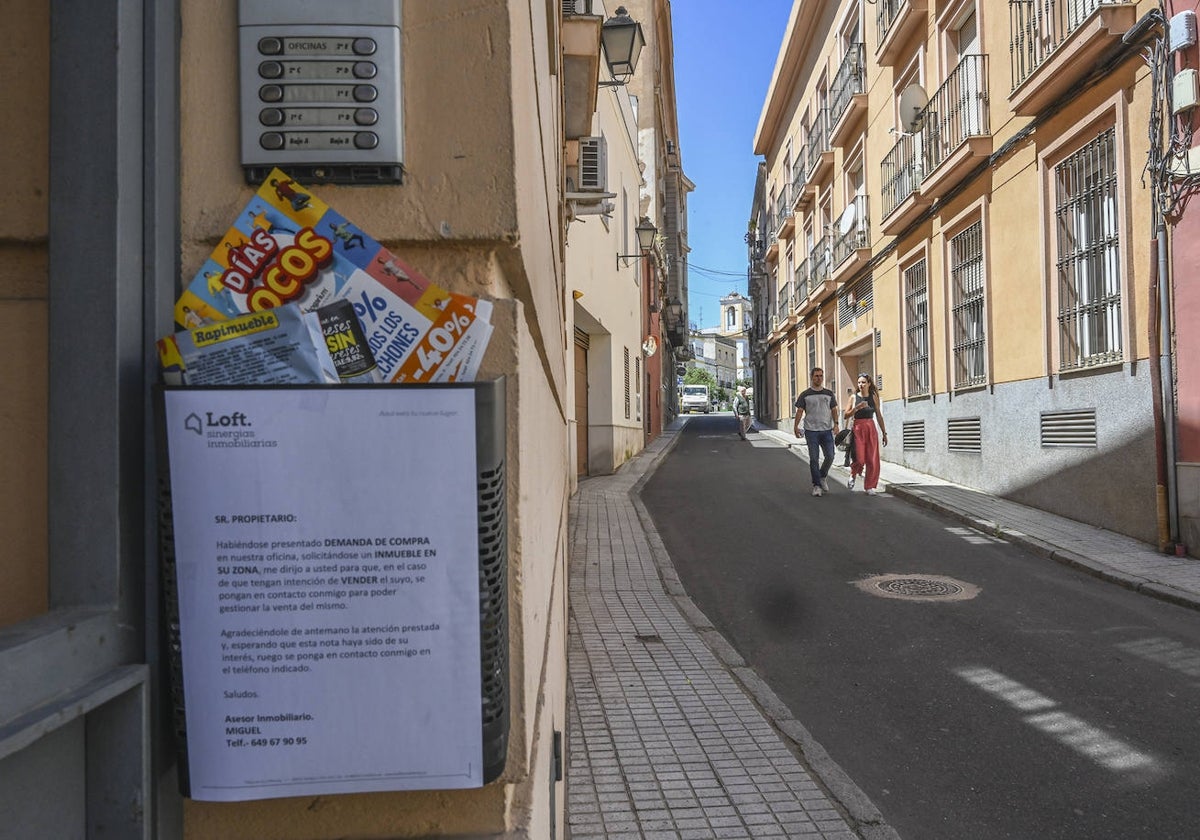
x=1106, y=554
x=670, y=735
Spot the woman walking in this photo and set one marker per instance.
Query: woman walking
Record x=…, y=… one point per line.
x=864, y=408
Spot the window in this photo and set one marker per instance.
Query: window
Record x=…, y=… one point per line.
x=916, y=328
x=812, y=350
x=731, y=318
x=627, y=392
x=1088, y=255
x=792, y=370
x=966, y=291
x=855, y=300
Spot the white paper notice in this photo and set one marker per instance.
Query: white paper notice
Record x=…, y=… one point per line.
x=326, y=543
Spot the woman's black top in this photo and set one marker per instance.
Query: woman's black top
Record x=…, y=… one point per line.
x=864, y=413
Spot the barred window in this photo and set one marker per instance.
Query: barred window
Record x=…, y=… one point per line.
x=1089, y=264
x=916, y=327
x=792, y=370
x=966, y=281
x=627, y=394
x=855, y=300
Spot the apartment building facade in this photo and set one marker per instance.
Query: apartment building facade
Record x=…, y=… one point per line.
x=952, y=203
x=128, y=171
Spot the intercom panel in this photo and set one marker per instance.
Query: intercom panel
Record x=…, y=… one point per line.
x=320, y=90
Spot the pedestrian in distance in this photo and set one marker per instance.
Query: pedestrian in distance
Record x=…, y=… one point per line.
x=741, y=408
x=817, y=408
x=864, y=408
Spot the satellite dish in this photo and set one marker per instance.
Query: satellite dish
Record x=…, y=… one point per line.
x=912, y=103
x=846, y=222
x=650, y=345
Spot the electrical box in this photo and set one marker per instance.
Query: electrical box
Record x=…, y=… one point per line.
x=321, y=90
x=1182, y=30
x=1183, y=91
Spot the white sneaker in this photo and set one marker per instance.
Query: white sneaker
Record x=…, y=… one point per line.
x=872, y=492
x=816, y=490
x=825, y=485
x=850, y=485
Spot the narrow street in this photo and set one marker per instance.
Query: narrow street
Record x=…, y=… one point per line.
x=1032, y=701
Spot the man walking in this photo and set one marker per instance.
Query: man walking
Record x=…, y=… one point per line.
x=741, y=407
x=817, y=407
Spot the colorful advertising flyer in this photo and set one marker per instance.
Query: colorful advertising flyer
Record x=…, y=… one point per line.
x=288, y=246
x=327, y=572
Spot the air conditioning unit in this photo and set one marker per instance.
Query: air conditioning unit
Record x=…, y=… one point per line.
x=576, y=7
x=593, y=164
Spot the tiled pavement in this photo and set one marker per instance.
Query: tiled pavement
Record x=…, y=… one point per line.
x=666, y=738
x=671, y=735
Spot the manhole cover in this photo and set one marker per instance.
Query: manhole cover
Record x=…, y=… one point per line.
x=918, y=587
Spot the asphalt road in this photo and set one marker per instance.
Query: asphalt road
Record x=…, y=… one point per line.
x=1049, y=705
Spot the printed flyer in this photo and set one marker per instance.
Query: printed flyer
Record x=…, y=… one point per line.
x=288, y=246
x=330, y=638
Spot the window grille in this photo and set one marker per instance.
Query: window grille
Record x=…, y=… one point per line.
x=812, y=350
x=1071, y=429
x=855, y=300
x=916, y=319
x=964, y=434
x=966, y=281
x=627, y=394
x=792, y=369
x=1089, y=264
x=637, y=382
x=913, y=436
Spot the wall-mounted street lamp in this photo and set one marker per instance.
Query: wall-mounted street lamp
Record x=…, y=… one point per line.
x=674, y=310
x=622, y=39
x=646, y=231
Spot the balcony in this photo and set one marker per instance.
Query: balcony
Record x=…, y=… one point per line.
x=903, y=170
x=848, y=97
x=898, y=21
x=1054, y=44
x=800, y=293
x=799, y=195
x=772, y=253
x=818, y=152
x=581, y=73
x=955, y=124
x=820, y=275
x=784, y=216
x=852, y=240
x=783, y=306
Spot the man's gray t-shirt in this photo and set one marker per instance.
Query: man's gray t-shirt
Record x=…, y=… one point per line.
x=819, y=406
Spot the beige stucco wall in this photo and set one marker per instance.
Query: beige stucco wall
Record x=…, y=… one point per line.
x=608, y=306
x=23, y=310
x=479, y=214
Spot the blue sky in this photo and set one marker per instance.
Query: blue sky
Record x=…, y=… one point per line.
x=724, y=55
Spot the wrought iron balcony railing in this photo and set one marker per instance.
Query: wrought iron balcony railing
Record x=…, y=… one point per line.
x=886, y=12
x=802, y=287
x=783, y=205
x=903, y=170
x=818, y=139
x=849, y=81
x=1038, y=27
x=854, y=234
x=799, y=173
x=957, y=110
x=820, y=261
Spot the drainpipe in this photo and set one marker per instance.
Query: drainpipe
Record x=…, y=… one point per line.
x=1161, y=378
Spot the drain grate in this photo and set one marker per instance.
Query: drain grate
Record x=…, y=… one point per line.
x=918, y=587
